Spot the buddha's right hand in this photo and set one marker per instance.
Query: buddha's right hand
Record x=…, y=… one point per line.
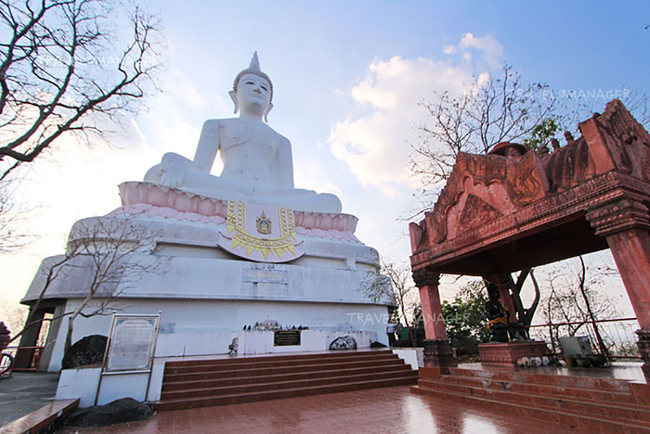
x=173, y=168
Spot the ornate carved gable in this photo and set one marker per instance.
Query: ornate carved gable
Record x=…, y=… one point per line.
x=527, y=181
x=477, y=212
x=613, y=141
x=480, y=188
x=493, y=186
x=618, y=142
x=507, y=214
x=569, y=166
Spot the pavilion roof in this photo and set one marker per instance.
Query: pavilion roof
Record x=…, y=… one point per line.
x=495, y=215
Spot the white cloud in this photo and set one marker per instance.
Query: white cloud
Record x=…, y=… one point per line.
x=174, y=122
x=376, y=146
x=491, y=51
x=185, y=87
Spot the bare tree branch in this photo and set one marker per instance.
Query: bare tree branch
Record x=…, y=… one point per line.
x=102, y=248
x=395, y=285
x=55, y=73
x=573, y=303
x=490, y=111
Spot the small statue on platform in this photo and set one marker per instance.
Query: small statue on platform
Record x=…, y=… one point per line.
x=498, y=316
x=499, y=325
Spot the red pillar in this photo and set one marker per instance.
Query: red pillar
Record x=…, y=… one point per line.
x=434, y=324
x=437, y=351
x=631, y=251
x=625, y=224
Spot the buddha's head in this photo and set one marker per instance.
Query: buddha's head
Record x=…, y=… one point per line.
x=252, y=91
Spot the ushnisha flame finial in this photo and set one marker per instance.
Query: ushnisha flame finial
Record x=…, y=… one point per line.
x=255, y=63
x=254, y=68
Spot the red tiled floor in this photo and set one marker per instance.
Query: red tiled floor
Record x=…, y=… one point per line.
x=392, y=410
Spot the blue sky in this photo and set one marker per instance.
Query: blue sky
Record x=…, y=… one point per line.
x=348, y=77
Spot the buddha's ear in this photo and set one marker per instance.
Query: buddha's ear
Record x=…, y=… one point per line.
x=266, y=115
x=233, y=96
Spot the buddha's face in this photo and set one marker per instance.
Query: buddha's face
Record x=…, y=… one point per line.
x=253, y=95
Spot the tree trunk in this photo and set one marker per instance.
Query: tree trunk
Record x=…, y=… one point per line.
x=583, y=291
x=68, y=336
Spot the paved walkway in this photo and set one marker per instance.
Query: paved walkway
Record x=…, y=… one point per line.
x=393, y=410
x=25, y=392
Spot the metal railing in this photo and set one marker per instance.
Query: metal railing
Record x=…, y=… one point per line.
x=6, y=364
x=25, y=359
x=617, y=335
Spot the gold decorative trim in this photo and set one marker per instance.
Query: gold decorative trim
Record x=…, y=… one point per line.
x=236, y=222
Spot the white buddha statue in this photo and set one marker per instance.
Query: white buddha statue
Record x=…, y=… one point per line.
x=257, y=163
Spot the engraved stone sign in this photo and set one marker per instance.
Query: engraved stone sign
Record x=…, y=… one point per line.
x=132, y=343
x=265, y=275
x=285, y=338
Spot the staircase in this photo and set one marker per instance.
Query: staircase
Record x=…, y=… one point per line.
x=202, y=383
x=583, y=403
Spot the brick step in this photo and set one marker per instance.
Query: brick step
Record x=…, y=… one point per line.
x=245, y=372
x=43, y=420
x=271, y=362
x=278, y=394
x=284, y=385
x=543, y=389
x=288, y=357
x=581, y=422
x=234, y=381
x=601, y=383
x=626, y=411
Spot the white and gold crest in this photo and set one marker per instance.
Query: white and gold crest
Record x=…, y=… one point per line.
x=263, y=233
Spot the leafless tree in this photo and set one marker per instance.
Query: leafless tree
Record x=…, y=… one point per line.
x=102, y=248
x=573, y=303
x=62, y=73
x=501, y=108
x=524, y=314
x=394, y=283
x=8, y=241
x=488, y=112
x=13, y=215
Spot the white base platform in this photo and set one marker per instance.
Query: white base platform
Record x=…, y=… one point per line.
x=207, y=295
x=82, y=382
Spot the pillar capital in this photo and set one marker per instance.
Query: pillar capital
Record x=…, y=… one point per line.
x=619, y=216
x=425, y=277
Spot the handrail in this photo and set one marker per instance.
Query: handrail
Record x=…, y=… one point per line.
x=28, y=362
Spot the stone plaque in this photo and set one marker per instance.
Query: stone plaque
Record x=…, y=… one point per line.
x=131, y=343
x=286, y=338
x=265, y=275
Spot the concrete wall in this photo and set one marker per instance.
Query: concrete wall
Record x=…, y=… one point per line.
x=197, y=327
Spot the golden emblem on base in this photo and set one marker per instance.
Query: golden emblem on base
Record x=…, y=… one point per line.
x=263, y=224
x=274, y=238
